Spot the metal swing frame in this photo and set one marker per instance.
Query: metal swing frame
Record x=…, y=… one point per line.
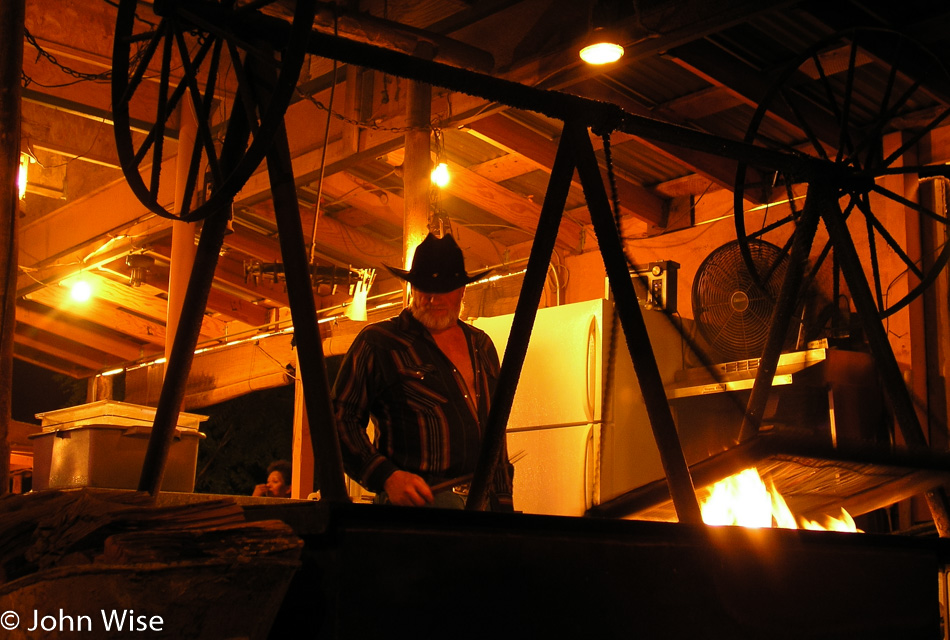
x=575, y=152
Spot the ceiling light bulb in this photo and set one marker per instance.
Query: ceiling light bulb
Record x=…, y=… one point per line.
x=440, y=175
x=81, y=291
x=601, y=53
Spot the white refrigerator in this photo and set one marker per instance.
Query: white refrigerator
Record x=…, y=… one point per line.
x=568, y=453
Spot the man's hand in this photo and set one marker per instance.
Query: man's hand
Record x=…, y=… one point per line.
x=407, y=489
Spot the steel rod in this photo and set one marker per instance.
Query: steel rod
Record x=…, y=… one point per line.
x=193, y=308
x=817, y=197
x=313, y=371
x=179, y=363
x=526, y=311
x=888, y=368
x=635, y=331
x=555, y=104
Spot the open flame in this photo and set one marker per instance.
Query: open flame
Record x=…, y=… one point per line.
x=744, y=500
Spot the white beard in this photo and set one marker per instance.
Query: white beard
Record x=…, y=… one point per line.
x=431, y=320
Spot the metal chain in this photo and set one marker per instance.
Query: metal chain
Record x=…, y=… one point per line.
x=353, y=121
x=612, y=180
x=79, y=75
x=610, y=371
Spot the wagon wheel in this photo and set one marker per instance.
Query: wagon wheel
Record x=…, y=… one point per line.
x=827, y=97
x=200, y=51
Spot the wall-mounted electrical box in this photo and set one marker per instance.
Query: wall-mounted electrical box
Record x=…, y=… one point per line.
x=655, y=284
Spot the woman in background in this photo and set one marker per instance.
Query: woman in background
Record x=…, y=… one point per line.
x=278, y=481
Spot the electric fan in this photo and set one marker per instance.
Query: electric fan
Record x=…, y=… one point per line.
x=731, y=310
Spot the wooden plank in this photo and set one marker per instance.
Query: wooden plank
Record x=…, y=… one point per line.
x=50, y=363
x=506, y=167
x=99, y=215
x=227, y=304
x=65, y=349
x=98, y=311
x=641, y=201
x=52, y=322
x=101, y=250
x=334, y=238
x=147, y=305
x=479, y=250
x=500, y=202
x=69, y=135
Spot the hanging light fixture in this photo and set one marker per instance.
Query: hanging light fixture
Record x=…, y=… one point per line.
x=139, y=265
x=440, y=175
x=600, y=48
x=602, y=44
x=356, y=310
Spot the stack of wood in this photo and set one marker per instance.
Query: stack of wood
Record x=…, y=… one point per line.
x=49, y=529
x=197, y=570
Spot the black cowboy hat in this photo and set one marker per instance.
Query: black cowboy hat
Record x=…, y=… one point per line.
x=437, y=266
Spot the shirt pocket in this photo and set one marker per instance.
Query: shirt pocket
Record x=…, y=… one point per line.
x=421, y=387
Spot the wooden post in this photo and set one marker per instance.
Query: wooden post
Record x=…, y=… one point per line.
x=183, y=233
x=351, y=110
x=416, y=167
x=302, y=467
x=12, y=14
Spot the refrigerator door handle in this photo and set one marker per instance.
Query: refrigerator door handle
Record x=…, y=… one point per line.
x=592, y=369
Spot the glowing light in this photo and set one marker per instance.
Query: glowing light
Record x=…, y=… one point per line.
x=80, y=291
x=440, y=175
x=601, y=53
x=22, y=173
x=744, y=500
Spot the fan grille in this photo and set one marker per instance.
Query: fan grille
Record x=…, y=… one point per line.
x=731, y=310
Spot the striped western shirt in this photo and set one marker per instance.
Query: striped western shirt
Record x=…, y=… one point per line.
x=426, y=423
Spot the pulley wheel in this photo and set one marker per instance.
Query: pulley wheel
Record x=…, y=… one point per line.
x=202, y=52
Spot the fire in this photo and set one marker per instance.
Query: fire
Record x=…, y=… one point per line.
x=744, y=500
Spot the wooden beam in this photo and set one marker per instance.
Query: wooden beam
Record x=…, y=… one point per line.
x=500, y=202
x=50, y=363
x=92, y=219
x=229, y=305
x=720, y=170
x=332, y=236
x=749, y=86
x=99, y=251
x=84, y=139
x=52, y=322
x=641, y=201
x=146, y=305
x=65, y=349
x=479, y=249
x=363, y=27
x=11, y=64
x=100, y=312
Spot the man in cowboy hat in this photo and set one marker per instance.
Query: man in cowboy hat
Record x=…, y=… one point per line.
x=426, y=378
